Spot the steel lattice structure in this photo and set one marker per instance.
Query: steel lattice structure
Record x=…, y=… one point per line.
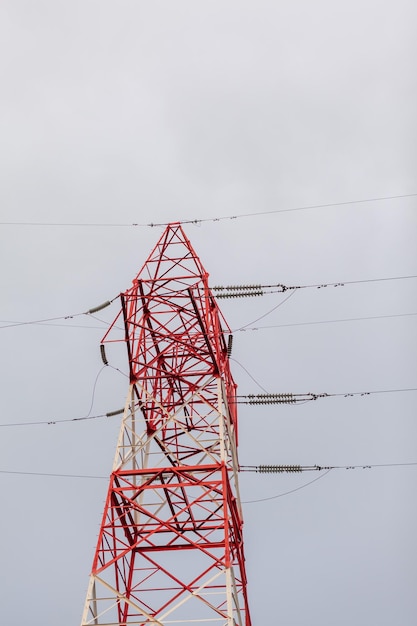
x=170, y=547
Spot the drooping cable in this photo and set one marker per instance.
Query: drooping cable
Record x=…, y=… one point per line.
x=55, y=475
x=62, y=317
x=241, y=291
x=234, y=293
x=53, y=422
x=250, y=399
x=248, y=373
x=248, y=468
x=87, y=417
x=291, y=469
x=287, y=493
x=197, y=221
x=335, y=321
x=274, y=308
x=295, y=398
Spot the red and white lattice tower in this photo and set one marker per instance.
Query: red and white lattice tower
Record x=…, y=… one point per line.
x=170, y=548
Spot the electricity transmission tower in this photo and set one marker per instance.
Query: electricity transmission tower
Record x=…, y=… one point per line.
x=170, y=547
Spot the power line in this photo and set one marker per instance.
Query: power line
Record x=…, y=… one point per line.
x=46, y=320
x=250, y=399
x=53, y=422
x=291, y=469
x=242, y=291
x=274, y=308
x=248, y=373
x=62, y=317
x=287, y=493
x=10, y=324
x=263, y=469
x=246, y=468
x=84, y=418
x=365, y=393
x=52, y=474
x=296, y=398
x=231, y=291
x=209, y=219
x=327, y=471
x=333, y=321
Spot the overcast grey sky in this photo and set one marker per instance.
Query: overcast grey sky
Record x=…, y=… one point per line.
x=142, y=112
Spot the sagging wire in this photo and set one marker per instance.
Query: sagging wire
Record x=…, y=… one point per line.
x=230, y=291
x=291, y=469
x=248, y=373
x=241, y=291
x=54, y=475
x=62, y=317
x=199, y=221
x=53, y=422
x=296, y=398
x=280, y=495
x=84, y=418
x=287, y=493
x=285, y=398
x=274, y=308
x=275, y=211
x=94, y=392
x=335, y=321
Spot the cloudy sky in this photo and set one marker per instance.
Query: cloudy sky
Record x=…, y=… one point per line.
x=134, y=112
